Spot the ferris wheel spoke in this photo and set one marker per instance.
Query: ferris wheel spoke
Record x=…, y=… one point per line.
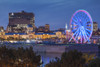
x=85, y=38
x=73, y=30
x=75, y=21
x=86, y=21
x=81, y=37
x=74, y=25
x=83, y=34
x=89, y=24
x=87, y=18
x=76, y=37
x=78, y=20
x=88, y=27
x=88, y=30
x=76, y=17
x=73, y=35
x=86, y=35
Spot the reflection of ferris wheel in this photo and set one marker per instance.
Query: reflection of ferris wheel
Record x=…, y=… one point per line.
x=81, y=26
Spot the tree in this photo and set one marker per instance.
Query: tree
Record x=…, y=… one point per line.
x=72, y=58
x=68, y=59
x=10, y=57
x=94, y=63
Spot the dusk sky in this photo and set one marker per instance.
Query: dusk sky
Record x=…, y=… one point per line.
x=57, y=13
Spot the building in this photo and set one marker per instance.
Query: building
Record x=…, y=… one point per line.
x=95, y=39
x=15, y=36
x=19, y=21
x=29, y=28
x=43, y=29
x=32, y=35
x=44, y=35
x=60, y=34
x=2, y=32
x=1, y=29
x=47, y=28
x=68, y=34
x=95, y=26
x=99, y=32
x=62, y=30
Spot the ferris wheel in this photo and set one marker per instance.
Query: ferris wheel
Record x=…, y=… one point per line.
x=81, y=26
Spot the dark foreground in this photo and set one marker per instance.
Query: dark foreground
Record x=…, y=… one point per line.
x=26, y=57
x=18, y=57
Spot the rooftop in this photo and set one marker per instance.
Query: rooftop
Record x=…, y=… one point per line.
x=15, y=33
x=45, y=33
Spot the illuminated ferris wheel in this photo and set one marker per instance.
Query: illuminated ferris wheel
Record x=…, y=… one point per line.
x=81, y=25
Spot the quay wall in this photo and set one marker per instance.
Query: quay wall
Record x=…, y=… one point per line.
x=59, y=48
x=49, y=49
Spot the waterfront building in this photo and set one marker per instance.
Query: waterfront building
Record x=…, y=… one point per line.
x=33, y=35
x=95, y=39
x=98, y=31
x=16, y=36
x=68, y=34
x=29, y=28
x=43, y=29
x=22, y=26
x=1, y=29
x=95, y=26
x=2, y=32
x=62, y=30
x=28, y=36
x=44, y=35
x=47, y=28
x=60, y=34
x=18, y=22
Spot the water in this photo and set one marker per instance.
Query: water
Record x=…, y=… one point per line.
x=47, y=57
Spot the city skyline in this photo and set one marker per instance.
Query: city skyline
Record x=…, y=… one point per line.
x=57, y=13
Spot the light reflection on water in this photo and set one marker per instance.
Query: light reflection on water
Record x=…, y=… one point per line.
x=47, y=57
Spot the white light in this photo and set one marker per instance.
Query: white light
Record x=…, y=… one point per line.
x=11, y=41
x=66, y=27
x=27, y=41
x=12, y=13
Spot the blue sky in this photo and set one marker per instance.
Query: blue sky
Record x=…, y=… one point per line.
x=57, y=13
